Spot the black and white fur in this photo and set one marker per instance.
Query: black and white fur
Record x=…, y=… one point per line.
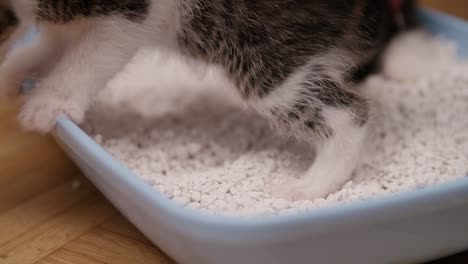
x=294, y=61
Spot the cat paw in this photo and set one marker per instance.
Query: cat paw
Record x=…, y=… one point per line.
x=298, y=190
x=41, y=112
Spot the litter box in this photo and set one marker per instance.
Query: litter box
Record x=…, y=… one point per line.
x=409, y=227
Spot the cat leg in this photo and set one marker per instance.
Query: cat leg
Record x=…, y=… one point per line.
x=22, y=62
x=97, y=53
x=336, y=158
x=325, y=114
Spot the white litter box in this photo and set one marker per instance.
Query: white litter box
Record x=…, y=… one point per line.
x=410, y=227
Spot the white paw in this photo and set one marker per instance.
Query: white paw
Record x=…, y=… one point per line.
x=40, y=112
x=299, y=189
x=416, y=54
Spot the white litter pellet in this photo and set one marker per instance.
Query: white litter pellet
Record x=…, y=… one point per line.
x=192, y=141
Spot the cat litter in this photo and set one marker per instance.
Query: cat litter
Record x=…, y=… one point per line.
x=192, y=140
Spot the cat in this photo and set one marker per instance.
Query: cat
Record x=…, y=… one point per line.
x=293, y=61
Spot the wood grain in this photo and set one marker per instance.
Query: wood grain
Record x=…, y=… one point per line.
x=39, y=209
x=57, y=231
x=50, y=214
x=64, y=256
x=109, y=247
x=120, y=225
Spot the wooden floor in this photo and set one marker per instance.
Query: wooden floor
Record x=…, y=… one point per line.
x=50, y=214
x=454, y=7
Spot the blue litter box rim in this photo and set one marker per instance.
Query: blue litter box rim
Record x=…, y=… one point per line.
x=452, y=28
x=355, y=213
